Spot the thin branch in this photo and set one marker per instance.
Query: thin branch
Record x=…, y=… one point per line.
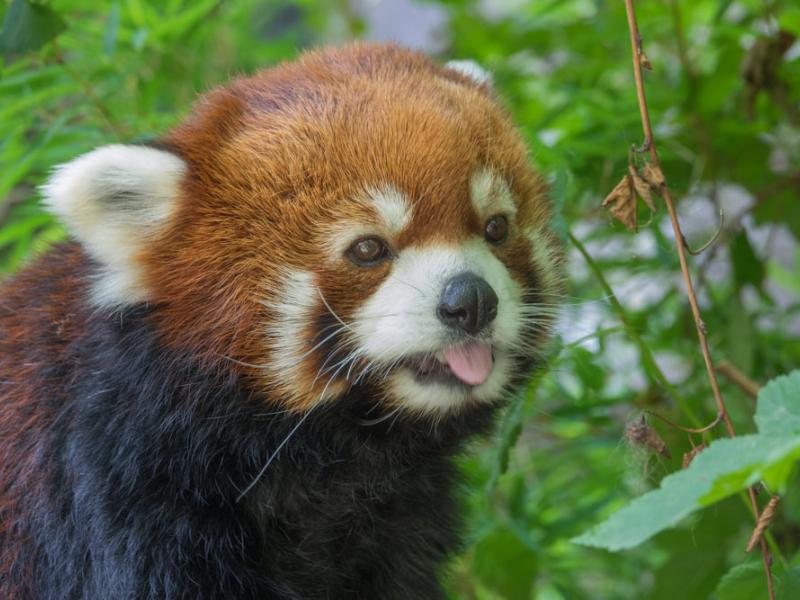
x=636, y=49
x=644, y=349
x=708, y=427
x=709, y=242
x=730, y=372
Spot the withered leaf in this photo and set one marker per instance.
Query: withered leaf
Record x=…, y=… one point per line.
x=688, y=457
x=654, y=177
x=621, y=203
x=763, y=522
x=642, y=187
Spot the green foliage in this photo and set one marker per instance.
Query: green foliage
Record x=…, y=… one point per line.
x=79, y=73
x=743, y=582
x=724, y=468
x=28, y=26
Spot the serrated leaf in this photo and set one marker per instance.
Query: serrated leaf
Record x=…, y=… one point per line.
x=775, y=415
x=743, y=582
x=724, y=468
x=28, y=26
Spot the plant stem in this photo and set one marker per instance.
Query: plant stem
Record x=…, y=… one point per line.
x=728, y=370
x=649, y=143
x=644, y=349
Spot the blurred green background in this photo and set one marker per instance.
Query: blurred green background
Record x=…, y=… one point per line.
x=724, y=95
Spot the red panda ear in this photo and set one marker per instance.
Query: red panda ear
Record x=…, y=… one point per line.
x=471, y=69
x=114, y=200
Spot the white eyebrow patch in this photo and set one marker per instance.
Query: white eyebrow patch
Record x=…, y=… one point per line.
x=491, y=195
x=394, y=209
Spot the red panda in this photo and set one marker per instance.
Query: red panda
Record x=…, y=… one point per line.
x=248, y=374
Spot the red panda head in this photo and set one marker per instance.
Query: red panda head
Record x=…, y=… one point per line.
x=362, y=215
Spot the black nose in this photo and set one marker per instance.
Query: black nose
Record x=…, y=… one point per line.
x=467, y=303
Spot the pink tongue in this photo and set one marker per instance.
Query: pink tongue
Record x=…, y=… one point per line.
x=471, y=363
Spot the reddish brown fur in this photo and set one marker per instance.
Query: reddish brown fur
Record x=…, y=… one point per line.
x=276, y=158
x=275, y=161
x=53, y=292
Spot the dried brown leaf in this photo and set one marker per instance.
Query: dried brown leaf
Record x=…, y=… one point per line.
x=642, y=187
x=763, y=522
x=654, y=177
x=688, y=457
x=621, y=203
x=644, y=61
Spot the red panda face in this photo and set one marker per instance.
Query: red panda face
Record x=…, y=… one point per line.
x=360, y=217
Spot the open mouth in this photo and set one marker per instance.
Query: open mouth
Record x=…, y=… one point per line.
x=469, y=364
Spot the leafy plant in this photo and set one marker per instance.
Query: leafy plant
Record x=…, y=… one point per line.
x=727, y=466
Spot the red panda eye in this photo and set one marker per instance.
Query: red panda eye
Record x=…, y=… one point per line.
x=368, y=251
x=496, y=229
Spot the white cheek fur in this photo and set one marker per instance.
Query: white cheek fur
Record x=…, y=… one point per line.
x=400, y=320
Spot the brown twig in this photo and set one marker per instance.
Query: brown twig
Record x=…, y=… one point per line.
x=636, y=49
x=730, y=372
x=710, y=241
x=711, y=425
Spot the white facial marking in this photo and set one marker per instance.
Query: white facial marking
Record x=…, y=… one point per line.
x=393, y=212
x=472, y=70
x=491, y=195
x=392, y=207
x=113, y=200
x=400, y=320
x=293, y=309
x=340, y=236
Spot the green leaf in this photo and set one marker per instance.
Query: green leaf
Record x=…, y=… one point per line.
x=724, y=468
x=509, y=434
x=779, y=406
x=505, y=564
x=28, y=26
x=111, y=29
x=790, y=20
x=743, y=582
x=789, y=584
x=747, y=267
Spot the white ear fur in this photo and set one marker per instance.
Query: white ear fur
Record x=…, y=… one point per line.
x=472, y=70
x=113, y=200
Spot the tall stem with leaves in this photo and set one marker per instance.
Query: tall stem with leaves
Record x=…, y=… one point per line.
x=650, y=146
